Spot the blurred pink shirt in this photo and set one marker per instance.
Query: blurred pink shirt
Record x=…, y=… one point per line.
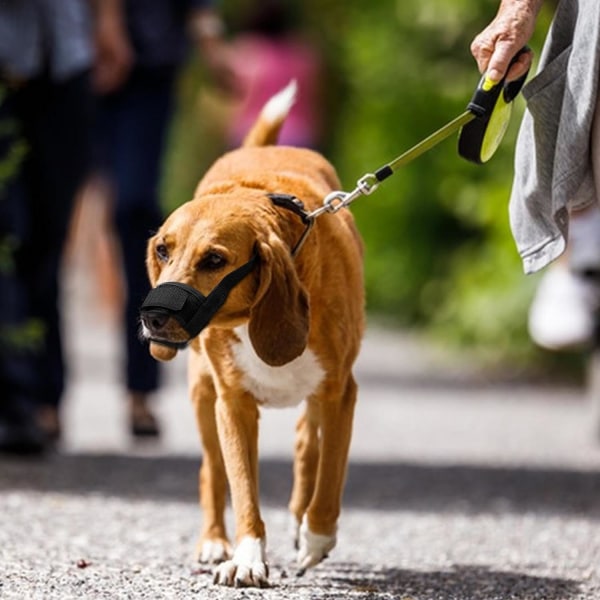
x=264, y=66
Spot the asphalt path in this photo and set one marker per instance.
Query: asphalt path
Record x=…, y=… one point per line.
x=460, y=486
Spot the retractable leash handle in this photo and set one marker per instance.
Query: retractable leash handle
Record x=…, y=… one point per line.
x=481, y=127
x=491, y=104
x=487, y=92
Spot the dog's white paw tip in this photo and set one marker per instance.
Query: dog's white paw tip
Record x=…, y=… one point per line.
x=213, y=552
x=247, y=568
x=231, y=574
x=314, y=548
x=256, y=575
x=224, y=573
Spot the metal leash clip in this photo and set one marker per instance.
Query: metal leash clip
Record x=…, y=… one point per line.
x=337, y=200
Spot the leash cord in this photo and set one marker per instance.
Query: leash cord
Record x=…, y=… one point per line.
x=369, y=182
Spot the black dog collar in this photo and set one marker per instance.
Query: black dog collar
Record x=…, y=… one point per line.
x=295, y=205
x=190, y=308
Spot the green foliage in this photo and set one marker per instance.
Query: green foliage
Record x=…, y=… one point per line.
x=25, y=337
x=439, y=253
x=8, y=168
x=10, y=163
x=8, y=245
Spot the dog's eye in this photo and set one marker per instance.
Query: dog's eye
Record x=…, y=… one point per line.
x=162, y=252
x=212, y=260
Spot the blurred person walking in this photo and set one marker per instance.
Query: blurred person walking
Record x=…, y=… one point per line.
x=46, y=53
x=556, y=188
x=269, y=51
x=130, y=138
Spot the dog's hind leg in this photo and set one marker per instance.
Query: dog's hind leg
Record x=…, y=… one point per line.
x=213, y=546
x=335, y=407
x=306, y=457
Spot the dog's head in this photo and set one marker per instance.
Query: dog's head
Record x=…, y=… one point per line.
x=205, y=240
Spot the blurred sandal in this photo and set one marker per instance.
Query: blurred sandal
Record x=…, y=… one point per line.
x=142, y=421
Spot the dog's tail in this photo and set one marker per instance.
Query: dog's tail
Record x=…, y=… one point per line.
x=265, y=130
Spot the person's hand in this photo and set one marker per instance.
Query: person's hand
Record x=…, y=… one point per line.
x=219, y=64
x=499, y=42
x=206, y=29
x=114, y=54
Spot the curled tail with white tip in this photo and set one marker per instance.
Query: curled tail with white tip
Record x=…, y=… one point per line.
x=265, y=130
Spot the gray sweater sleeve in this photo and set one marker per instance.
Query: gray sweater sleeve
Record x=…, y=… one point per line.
x=552, y=159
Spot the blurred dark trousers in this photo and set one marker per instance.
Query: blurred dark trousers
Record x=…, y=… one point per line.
x=131, y=136
x=54, y=121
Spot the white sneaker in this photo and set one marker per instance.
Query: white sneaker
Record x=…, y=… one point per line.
x=563, y=312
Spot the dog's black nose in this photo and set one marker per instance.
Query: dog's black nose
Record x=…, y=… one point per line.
x=154, y=320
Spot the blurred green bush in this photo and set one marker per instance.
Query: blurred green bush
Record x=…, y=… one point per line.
x=439, y=253
x=27, y=336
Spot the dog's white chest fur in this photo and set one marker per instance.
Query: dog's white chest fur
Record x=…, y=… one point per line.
x=277, y=387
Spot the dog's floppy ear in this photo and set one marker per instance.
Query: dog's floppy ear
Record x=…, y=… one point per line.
x=279, y=318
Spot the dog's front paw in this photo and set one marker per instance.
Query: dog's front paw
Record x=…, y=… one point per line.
x=247, y=568
x=312, y=547
x=213, y=551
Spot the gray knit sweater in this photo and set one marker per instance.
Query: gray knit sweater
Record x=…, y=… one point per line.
x=553, y=170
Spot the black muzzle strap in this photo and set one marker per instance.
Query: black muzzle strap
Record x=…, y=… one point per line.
x=189, y=307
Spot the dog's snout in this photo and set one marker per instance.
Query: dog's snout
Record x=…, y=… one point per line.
x=155, y=320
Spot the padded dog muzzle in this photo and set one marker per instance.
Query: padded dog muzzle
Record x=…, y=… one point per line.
x=190, y=308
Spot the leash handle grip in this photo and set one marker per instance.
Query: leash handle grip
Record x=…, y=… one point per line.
x=487, y=93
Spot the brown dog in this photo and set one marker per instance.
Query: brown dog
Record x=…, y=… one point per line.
x=288, y=331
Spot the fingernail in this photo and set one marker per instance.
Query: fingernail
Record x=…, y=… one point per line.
x=488, y=83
